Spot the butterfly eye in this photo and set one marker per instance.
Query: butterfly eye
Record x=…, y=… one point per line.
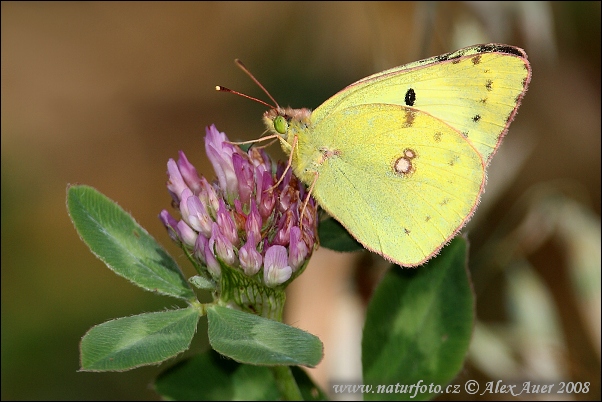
x=280, y=124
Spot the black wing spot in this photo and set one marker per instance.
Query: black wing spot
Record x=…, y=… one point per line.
x=476, y=118
x=489, y=85
x=410, y=97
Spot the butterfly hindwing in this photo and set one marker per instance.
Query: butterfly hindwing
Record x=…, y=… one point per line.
x=401, y=182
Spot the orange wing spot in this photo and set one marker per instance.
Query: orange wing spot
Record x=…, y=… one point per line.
x=410, y=116
x=403, y=165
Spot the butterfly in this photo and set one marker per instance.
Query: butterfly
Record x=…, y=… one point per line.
x=399, y=158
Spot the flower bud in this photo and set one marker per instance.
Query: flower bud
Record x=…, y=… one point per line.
x=198, y=217
x=283, y=234
x=265, y=195
x=276, y=270
x=226, y=223
x=189, y=174
x=244, y=172
x=297, y=250
x=250, y=258
x=175, y=182
x=253, y=224
x=170, y=223
x=212, y=264
x=223, y=248
x=186, y=234
x=220, y=153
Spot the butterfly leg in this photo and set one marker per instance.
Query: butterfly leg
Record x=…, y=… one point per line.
x=276, y=136
x=309, y=191
x=288, y=164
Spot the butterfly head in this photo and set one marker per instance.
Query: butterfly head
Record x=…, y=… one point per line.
x=286, y=122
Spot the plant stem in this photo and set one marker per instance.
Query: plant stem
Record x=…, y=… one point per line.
x=289, y=390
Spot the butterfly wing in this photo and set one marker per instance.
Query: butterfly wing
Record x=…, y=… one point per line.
x=402, y=182
x=475, y=90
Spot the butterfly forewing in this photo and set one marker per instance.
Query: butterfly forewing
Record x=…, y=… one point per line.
x=475, y=90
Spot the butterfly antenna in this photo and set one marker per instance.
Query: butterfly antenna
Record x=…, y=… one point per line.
x=246, y=70
x=224, y=89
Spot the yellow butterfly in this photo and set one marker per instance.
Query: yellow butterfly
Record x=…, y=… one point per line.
x=399, y=157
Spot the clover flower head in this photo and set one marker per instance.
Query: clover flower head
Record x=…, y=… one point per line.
x=242, y=222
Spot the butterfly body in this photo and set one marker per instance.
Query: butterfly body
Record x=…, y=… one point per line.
x=399, y=157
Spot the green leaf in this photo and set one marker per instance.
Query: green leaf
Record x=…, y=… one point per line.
x=121, y=243
x=335, y=237
x=211, y=377
x=248, y=338
x=418, y=325
x=207, y=377
x=140, y=340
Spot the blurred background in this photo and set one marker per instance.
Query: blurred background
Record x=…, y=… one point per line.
x=105, y=93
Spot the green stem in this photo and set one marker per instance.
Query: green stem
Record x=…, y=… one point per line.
x=289, y=390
